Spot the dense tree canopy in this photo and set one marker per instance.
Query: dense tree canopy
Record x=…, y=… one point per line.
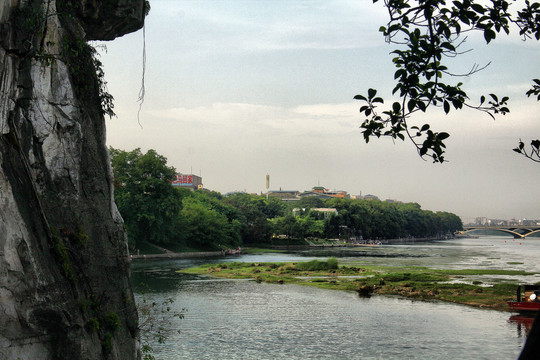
x=255, y=212
x=427, y=35
x=156, y=212
x=372, y=219
x=207, y=223
x=144, y=196
x=178, y=219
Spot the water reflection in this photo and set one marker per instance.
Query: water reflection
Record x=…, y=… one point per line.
x=241, y=319
x=523, y=324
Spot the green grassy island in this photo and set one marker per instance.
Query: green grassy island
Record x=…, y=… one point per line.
x=411, y=282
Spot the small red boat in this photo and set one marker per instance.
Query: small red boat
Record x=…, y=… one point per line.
x=527, y=299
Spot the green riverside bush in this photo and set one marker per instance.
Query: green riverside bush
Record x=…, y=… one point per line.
x=316, y=265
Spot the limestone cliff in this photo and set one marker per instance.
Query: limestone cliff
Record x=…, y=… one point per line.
x=64, y=281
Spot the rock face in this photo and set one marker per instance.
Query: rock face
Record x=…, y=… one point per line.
x=64, y=270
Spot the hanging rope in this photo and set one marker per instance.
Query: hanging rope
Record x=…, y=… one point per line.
x=140, y=99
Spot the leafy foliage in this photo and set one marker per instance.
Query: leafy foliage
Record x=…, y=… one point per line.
x=534, y=150
x=205, y=221
x=253, y=213
x=427, y=35
x=156, y=212
x=144, y=196
x=154, y=319
x=383, y=220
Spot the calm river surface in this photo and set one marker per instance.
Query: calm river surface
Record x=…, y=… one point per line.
x=242, y=319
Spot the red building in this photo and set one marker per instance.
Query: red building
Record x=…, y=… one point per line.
x=188, y=181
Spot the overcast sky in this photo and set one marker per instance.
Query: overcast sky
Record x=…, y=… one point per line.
x=237, y=89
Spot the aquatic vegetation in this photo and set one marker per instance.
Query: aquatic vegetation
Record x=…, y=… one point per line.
x=411, y=282
x=485, y=272
x=317, y=265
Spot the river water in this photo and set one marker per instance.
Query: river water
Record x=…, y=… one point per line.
x=242, y=319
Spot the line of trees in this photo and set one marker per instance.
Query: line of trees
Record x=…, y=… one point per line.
x=156, y=212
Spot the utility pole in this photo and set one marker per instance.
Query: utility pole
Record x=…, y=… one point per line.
x=267, y=185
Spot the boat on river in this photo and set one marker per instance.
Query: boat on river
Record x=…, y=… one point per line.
x=527, y=299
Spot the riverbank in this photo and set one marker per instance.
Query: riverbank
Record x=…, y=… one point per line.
x=177, y=255
x=413, y=282
x=168, y=254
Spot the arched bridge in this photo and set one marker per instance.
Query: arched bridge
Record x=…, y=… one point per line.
x=518, y=231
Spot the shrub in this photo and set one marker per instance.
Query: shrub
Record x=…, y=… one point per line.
x=316, y=265
x=287, y=268
x=332, y=263
x=107, y=344
x=504, y=289
x=111, y=320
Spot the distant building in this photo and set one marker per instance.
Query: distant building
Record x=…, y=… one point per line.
x=338, y=193
x=320, y=191
x=285, y=195
x=314, y=194
x=187, y=181
x=481, y=221
x=371, y=197
x=326, y=211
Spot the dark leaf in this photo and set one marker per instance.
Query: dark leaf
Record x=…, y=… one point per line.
x=448, y=46
x=489, y=35
x=443, y=136
x=478, y=8
x=366, y=136
x=446, y=107
x=411, y=105
x=394, y=27
x=458, y=104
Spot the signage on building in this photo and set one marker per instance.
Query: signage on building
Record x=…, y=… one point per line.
x=189, y=181
x=182, y=180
